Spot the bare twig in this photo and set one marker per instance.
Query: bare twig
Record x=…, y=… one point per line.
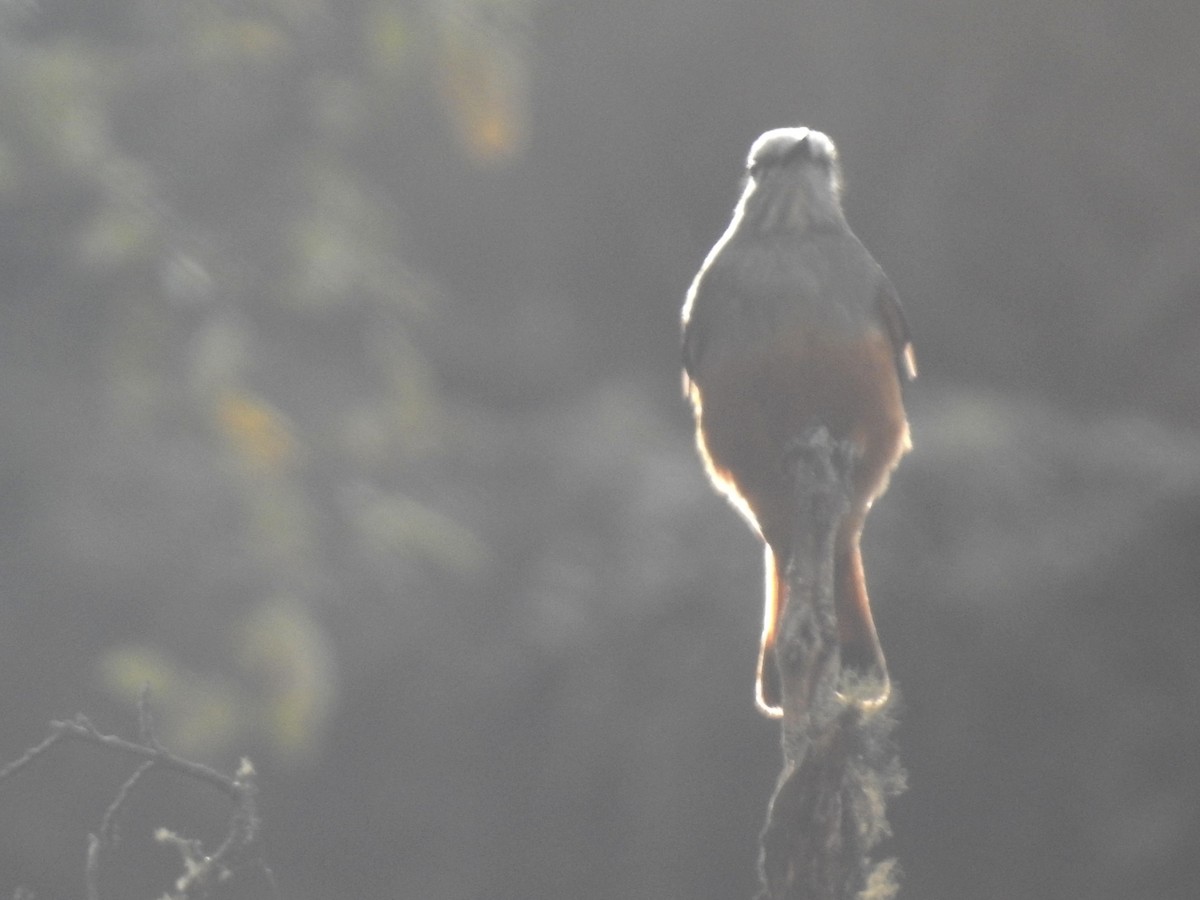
x=109, y=833
x=237, y=851
x=827, y=812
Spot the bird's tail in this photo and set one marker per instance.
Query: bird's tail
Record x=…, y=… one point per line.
x=869, y=686
x=766, y=685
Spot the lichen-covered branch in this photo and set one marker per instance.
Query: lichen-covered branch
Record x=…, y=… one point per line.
x=828, y=809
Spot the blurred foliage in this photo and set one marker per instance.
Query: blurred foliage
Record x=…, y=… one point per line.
x=189, y=198
x=197, y=711
x=277, y=693
x=482, y=77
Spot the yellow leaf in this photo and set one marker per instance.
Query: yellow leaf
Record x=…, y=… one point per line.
x=482, y=81
x=259, y=434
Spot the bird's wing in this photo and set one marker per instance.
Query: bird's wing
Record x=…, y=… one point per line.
x=887, y=304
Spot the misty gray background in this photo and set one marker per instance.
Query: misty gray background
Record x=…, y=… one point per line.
x=339, y=389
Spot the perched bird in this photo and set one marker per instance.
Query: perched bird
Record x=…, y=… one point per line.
x=791, y=324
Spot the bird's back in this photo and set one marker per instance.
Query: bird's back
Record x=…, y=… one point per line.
x=753, y=291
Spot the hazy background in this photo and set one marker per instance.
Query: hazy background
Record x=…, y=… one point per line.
x=339, y=397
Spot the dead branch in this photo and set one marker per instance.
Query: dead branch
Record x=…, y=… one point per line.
x=202, y=870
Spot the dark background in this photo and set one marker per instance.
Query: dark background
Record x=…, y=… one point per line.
x=339, y=392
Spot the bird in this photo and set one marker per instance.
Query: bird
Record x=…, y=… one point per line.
x=791, y=324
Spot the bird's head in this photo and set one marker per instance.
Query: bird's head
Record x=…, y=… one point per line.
x=794, y=173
